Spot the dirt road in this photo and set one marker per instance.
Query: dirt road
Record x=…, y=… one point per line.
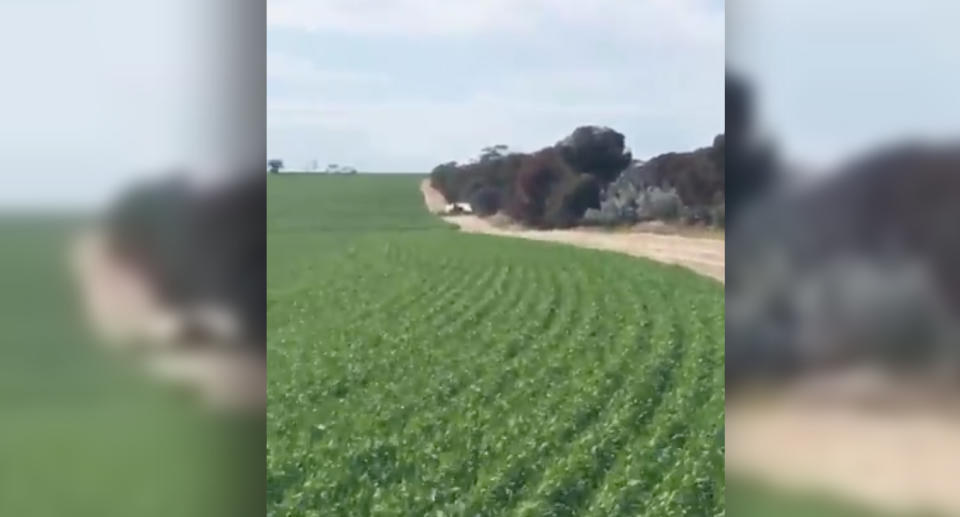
x=901, y=461
x=126, y=313
x=702, y=255
x=433, y=198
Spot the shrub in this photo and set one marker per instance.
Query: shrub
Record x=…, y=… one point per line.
x=595, y=217
x=659, y=204
x=687, y=186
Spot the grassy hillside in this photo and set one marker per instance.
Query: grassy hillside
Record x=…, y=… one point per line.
x=415, y=370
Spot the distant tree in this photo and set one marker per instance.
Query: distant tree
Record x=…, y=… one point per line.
x=275, y=165
x=493, y=152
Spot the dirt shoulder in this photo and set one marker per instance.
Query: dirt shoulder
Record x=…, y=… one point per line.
x=704, y=255
x=902, y=461
x=434, y=199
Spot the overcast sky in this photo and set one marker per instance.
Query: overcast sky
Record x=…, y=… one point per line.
x=402, y=85
x=96, y=92
x=839, y=78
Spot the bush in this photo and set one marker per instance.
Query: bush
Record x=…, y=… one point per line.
x=659, y=204
x=595, y=217
x=687, y=186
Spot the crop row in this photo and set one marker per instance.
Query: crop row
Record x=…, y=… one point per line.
x=433, y=373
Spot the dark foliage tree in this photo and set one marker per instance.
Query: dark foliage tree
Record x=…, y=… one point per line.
x=555, y=186
x=493, y=152
x=751, y=168
x=486, y=201
x=695, y=175
x=598, y=151
x=573, y=197
x=539, y=178
x=198, y=246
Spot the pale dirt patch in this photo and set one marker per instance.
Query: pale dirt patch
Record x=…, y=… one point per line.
x=432, y=197
x=117, y=299
x=881, y=442
x=659, y=227
x=702, y=255
x=125, y=313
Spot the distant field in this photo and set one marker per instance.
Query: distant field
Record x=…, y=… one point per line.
x=416, y=370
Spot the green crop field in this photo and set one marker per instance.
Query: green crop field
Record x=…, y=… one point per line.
x=752, y=498
x=81, y=432
x=415, y=370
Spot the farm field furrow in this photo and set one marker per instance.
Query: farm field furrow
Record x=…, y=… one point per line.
x=418, y=370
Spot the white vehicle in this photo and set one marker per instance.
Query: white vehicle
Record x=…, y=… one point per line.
x=458, y=208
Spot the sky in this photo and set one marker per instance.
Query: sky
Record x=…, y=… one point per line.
x=403, y=85
x=836, y=79
x=98, y=93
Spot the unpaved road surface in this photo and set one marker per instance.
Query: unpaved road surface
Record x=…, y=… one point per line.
x=125, y=312
x=702, y=255
x=885, y=443
x=434, y=199
x=901, y=462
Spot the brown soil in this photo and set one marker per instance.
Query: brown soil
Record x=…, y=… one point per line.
x=704, y=255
